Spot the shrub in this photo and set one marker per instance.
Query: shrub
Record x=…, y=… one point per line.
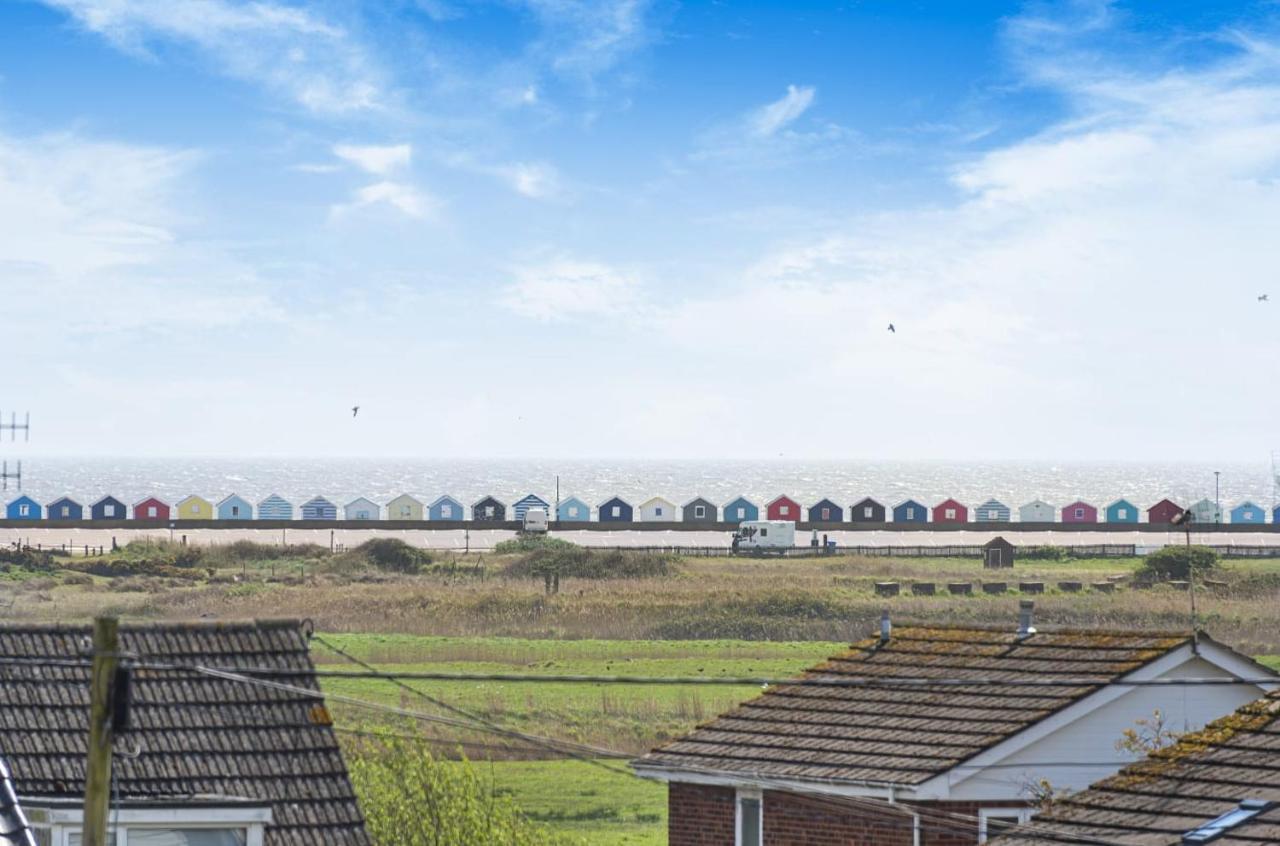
x=27, y=559
x=125, y=567
x=243, y=551
x=1178, y=562
x=394, y=554
x=1044, y=553
x=573, y=561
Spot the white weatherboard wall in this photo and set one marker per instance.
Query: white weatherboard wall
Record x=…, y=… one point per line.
x=1037, y=512
x=658, y=510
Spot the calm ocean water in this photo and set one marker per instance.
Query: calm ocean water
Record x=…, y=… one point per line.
x=342, y=480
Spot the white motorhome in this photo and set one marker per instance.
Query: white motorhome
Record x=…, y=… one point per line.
x=765, y=534
x=535, y=520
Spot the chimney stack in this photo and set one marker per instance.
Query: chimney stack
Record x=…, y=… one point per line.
x=886, y=627
x=1025, y=629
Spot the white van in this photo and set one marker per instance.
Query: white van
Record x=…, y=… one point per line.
x=765, y=534
x=535, y=521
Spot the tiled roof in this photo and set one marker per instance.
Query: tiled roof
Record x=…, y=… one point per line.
x=1177, y=790
x=907, y=733
x=196, y=735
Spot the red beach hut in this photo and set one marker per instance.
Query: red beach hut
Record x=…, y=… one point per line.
x=1164, y=511
x=950, y=511
x=1079, y=512
x=783, y=508
x=150, y=509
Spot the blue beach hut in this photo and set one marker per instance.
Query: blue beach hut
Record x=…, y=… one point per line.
x=275, y=507
x=65, y=508
x=523, y=505
x=23, y=508
x=1275, y=514
x=615, y=510
x=825, y=511
x=235, y=507
x=740, y=510
x=910, y=511
x=1248, y=512
x=1122, y=511
x=108, y=508
x=573, y=510
x=319, y=508
x=446, y=508
x=991, y=511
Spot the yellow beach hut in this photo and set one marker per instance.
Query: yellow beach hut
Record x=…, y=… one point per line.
x=404, y=507
x=194, y=508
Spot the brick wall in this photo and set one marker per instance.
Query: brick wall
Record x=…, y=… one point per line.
x=704, y=816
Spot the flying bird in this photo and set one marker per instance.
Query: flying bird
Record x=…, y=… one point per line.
x=891, y=329
x=1264, y=298
x=355, y=409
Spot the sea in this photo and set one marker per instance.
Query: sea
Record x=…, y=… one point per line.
x=344, y=479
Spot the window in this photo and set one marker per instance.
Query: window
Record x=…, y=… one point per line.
x=405, y=511
x=446, y=511
x=657, y=511
x=1079, y=513
x=784, y=510
x=108, y=511
x=826, y=513
x=573, y=511
x=488, y=511
x=151, y=511
x=1121, y=514
x=699, y=511
x=24, y=510
x=66, y=511
x=869, y=512
x=750, y=819
x=742, y=513
x=991, y=513
x=993, y=821
x=911, y=513
x=137, y=836
x=235, y=511
x=950, y=514
x=764, y=531
x=616, y=511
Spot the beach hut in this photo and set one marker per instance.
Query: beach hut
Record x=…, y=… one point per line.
x=783, y=508
x=319, y=508
x=615, y=510
x=1206, y=511
x=825, y=511
x=950, y=511
x=997, y=553
x=1164, y=511
x=1248, y=512
x=740, y=510
x=446, y=508
x=108, y=508
x=699, y=510
x=525, y=504
x=658, y=510
x=489, y=510
x=1121, y=511
x=65, y=508
x=1079, y=512
x=362, y=508
x=910, y=511
x=235, y=508
x=1275, y=514
x=866, y=510
x=275, y=507
x=992, y=511
x=1037, y=511
x=151, y=509
x=24, y=508
x=404, y=507
x=194, y=508
x=573, y=510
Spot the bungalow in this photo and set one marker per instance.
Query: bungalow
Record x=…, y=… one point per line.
x=24, y=508
x=573, y=510
x=1215, y=785
x=950, y=511
x=151, y=509
x=446, y=508
x=699, y=510
x=1079, y=512
x=404, y=507
x=524, y=505
x=362, y=508
x=195, y=508
x=741, y=510
x=1206, y=511
x=783, y=508
x=222, y=760
x=992, y=511
x=1248, y=512
x=489, y=510
x=275, y=507
x=825, y=511
x=900, y=761
x=108, y=508
x=235, y=508
x=910, y=511
x=1037, y=511
x=1122, y=511
x=658, y=510
x=65, y=508
x=319, y=508
x=615, y=510
x=866, y=511
x=1164, y=511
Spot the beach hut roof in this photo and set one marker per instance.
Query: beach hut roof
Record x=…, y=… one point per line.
x=531, y=498
x=64, y=498
x=1037, y=502
x=779, y=498
x=997, y=503
x=317, y=500
x=657, y=499
x=230, y=497
x=696, y=500
x=868, y=499
x=361, y=500
x=740, y=498
x=444, y=498
x=1248, y=503
x=275, y=498
x=190, y=497
x=908, y=502
x=157, y=500
x=405, y=496
x=1121, y=501
x=489, y=498
x=108, y=498
x=614, y=499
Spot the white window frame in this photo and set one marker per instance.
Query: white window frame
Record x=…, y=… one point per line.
x=62, y=822
x=911, y=513
x=984, y=814
x=868, y=512
x=784, y=510
x=949, y=514
x=615, y=511
x=741, y=793
x=1122, y=514
x=1079, y=513
x=24, y=510
x=152, y=511
x=699, y=512
x=742, y=513
x=446, y=511
x=108, y=510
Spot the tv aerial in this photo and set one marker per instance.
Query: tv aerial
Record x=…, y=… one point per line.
x=13, y=427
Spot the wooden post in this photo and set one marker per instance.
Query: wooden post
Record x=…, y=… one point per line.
x=97, y=784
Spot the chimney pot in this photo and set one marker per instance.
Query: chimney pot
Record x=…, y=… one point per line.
x=886, y=627
x=1025, y=609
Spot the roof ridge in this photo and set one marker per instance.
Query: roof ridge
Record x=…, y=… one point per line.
x=167, y=625
x=1040, y=629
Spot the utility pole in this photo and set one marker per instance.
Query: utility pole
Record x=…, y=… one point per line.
x=13, y=427
x=97, y=782
x=1217, y=497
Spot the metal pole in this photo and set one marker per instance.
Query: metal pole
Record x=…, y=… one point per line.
x=1191, y=589
x=97, y=785
x=1217, y=497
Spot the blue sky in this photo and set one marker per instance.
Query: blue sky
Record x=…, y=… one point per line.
x=641, y=229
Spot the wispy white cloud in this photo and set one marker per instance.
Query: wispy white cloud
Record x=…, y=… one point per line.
x=289, y=50
x=400, y=196
x=768, y=119
x=767, y=136
x=567, y=289
x=376, y=159
x=584, y=38
x=535, y=180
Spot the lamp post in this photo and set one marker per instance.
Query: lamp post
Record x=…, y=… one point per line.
x=1217, y=497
